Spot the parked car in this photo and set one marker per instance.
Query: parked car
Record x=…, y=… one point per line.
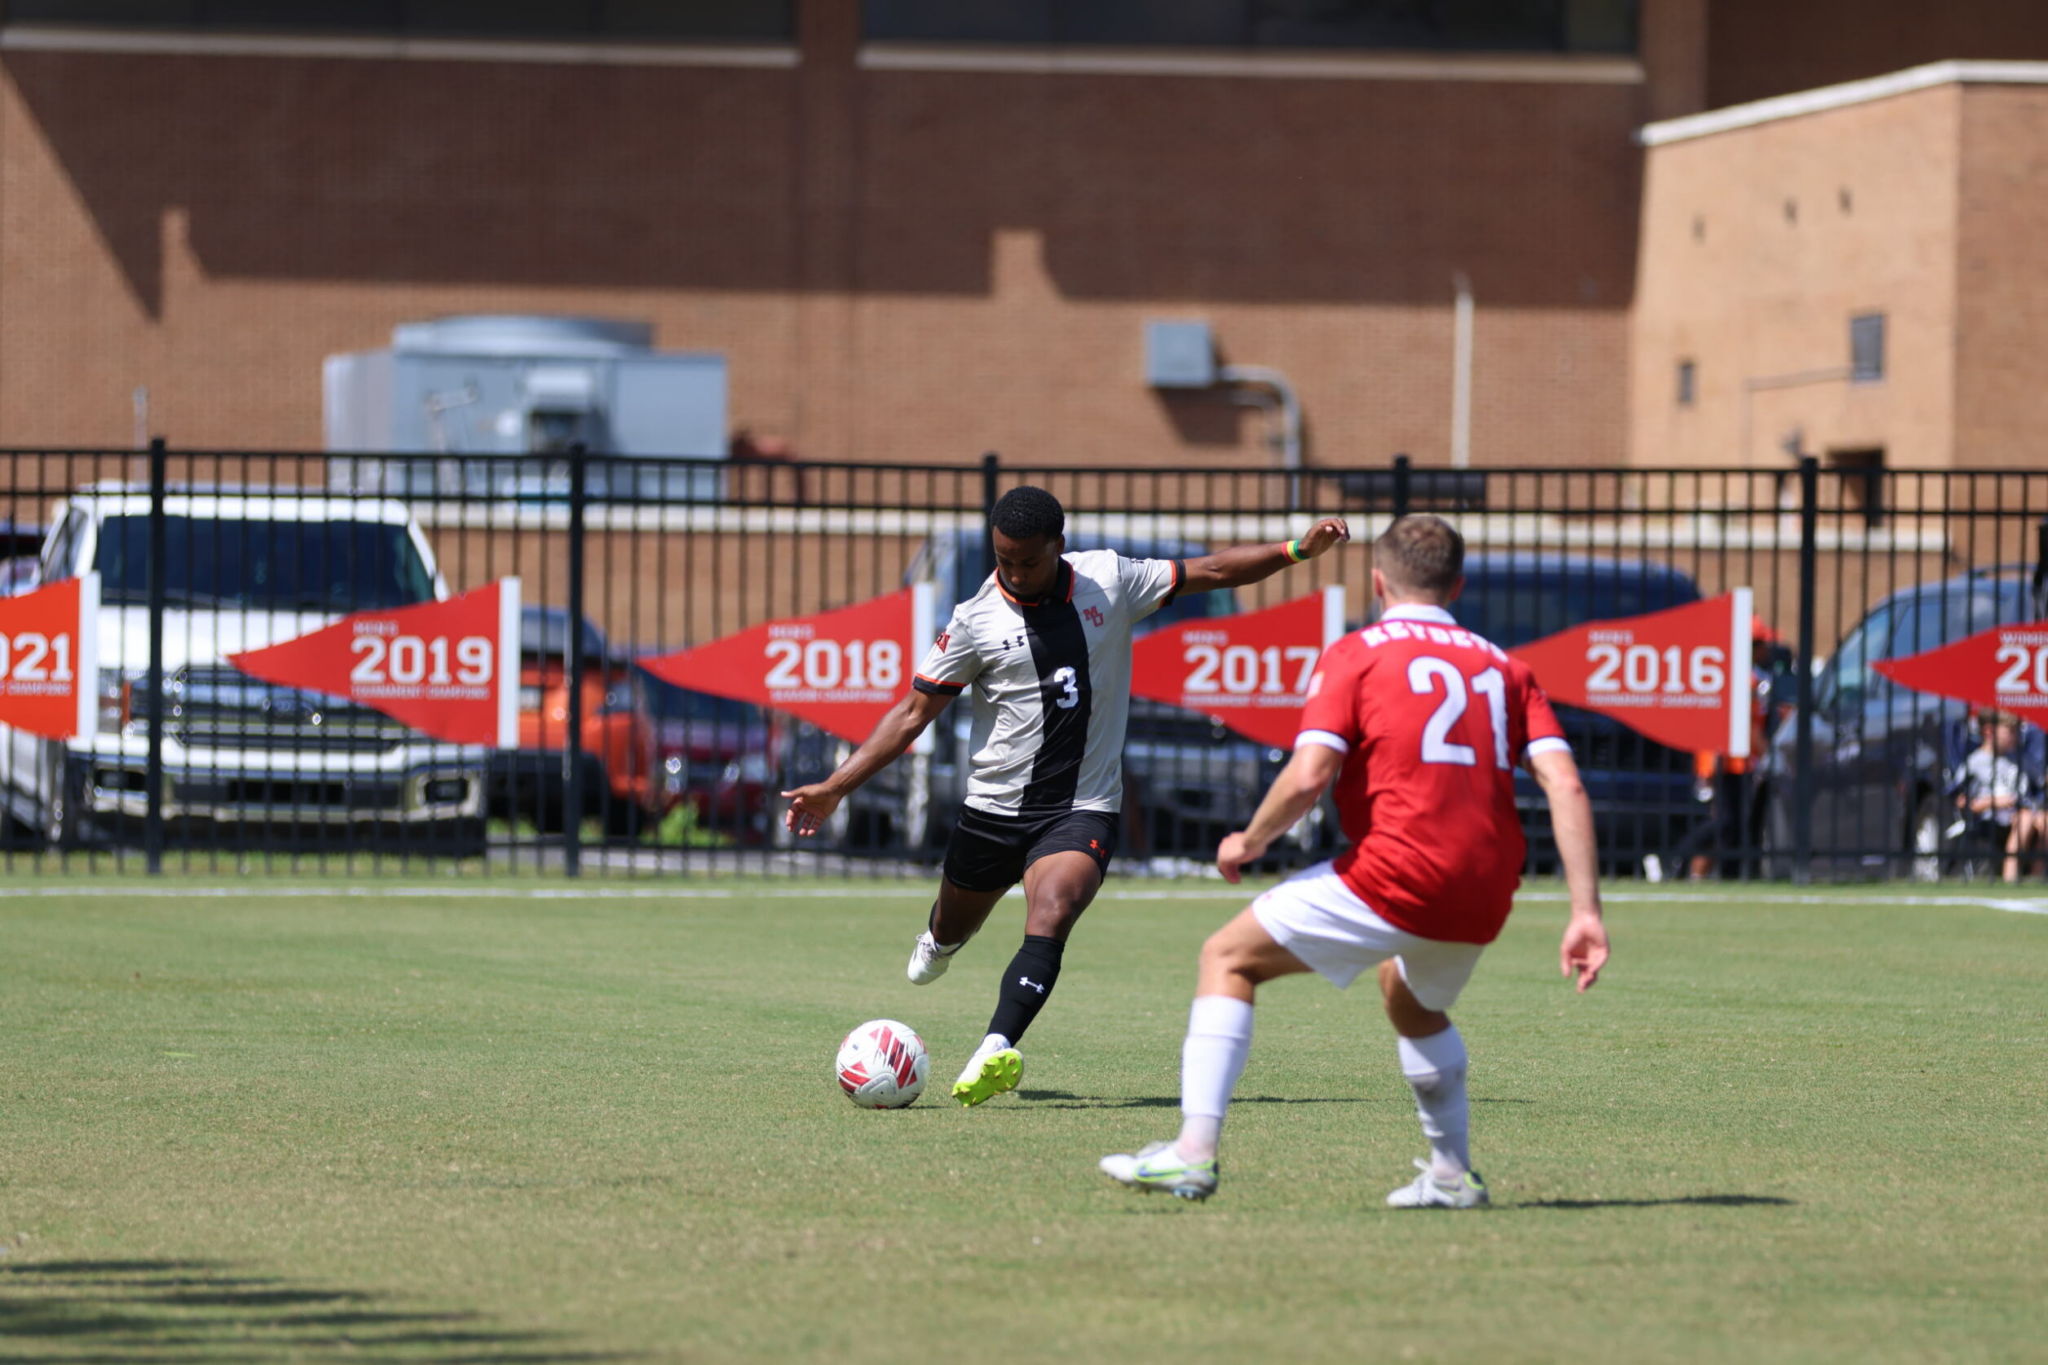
x=244, y=569
x=619, y=765
x=1881, y=753
x=20, y=544
x=19, y=575
x=1188, y=780
x=1644, y=794
x=714, y=755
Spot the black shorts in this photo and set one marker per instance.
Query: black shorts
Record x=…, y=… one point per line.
x=990, y=852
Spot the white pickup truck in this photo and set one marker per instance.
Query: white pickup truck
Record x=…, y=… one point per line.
x=261, y=764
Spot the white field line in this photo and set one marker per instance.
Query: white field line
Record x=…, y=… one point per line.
x=2015, y=905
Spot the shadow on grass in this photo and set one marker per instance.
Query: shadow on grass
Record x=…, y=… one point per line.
x=156, y=1312
x=1723, y=1201
x=1061, y=1099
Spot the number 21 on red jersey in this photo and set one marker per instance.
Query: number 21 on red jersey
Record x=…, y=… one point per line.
x=1427, y=674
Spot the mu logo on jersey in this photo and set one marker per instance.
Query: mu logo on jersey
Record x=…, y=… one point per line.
x=1094, y=615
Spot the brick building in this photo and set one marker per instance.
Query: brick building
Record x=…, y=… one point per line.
x=915, y=236
x=1858, y=272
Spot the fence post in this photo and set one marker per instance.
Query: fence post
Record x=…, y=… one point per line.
x=153, y=681
x=1403, y=485
x=1802, y=736
x=2041, y=569
x=572, y=655
x=991, y=468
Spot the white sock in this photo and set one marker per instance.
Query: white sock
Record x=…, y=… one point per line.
x=1435, y=1068
x=1219, y=1039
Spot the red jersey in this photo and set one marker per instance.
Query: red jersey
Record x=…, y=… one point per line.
x=1432, y=720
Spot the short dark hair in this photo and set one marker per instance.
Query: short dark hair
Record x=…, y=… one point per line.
x=1420, y=554
x=1026, y=513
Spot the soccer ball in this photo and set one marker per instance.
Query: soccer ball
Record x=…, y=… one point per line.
x=882, y=1065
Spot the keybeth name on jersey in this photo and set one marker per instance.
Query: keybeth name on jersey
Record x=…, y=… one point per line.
x=1437, y=635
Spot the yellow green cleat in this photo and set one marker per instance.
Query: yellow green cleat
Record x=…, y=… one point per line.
x=988, y=1076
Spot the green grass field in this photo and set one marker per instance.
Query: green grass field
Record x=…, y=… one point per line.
x=386, y=1127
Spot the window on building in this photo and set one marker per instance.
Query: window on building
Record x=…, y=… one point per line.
x=769, y=20
x=1687, y=377
x=1458, y=25
x=1866, y=348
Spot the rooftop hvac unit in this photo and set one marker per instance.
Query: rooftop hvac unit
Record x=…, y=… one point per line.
x=503, y=398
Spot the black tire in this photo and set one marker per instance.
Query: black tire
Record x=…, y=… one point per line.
x=623, y=819
x=1929, y=855
x=463, y=838
x=65, y=827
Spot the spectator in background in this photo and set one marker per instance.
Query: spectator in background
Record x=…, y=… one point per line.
x=1723, y=782
x=1996, y=790
x=1993, y=785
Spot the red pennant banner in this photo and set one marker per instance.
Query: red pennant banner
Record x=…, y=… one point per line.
x=49, y=673
x=1247, y=672
x=2004, y=667
x=1680, y=676
x=840, y=670
x=448, y=669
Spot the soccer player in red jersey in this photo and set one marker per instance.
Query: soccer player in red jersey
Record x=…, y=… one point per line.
x=1420, y=724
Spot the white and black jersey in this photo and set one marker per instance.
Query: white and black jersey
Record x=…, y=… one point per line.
x=1051, y=681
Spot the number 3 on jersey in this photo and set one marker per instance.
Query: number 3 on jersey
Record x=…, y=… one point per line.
x=1424, y=672
x=1070, y=694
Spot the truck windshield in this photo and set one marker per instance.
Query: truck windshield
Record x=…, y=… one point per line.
x=307, y=566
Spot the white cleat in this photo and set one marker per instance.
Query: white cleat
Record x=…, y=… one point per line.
x=1158, y=1166
x=928, y=962
x=1468, y=1191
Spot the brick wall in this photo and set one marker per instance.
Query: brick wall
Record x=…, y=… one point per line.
x=1760, y=48
x=1758, y=246
x=2002, y=279
x=898, y=265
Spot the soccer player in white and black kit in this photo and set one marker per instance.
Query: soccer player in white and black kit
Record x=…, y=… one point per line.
x=1045, y=648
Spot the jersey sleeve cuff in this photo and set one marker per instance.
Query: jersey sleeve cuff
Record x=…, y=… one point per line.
x=1323, y=739
x=936, y=688
x=1549, y=745
x=1180, y=576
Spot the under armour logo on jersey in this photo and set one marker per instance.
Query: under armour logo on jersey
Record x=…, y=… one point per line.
x=1014, y=642
x=1027, y=981
x=1094, y=845
x=1094, y=615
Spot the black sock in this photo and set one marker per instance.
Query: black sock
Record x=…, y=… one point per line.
x=1026, y=985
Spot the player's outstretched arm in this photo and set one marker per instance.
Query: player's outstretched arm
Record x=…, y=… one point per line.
x=898, y=729
x=1584, y=950
x=1298, y=787
x=1242, y=564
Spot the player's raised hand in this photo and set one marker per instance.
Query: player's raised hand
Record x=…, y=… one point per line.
x=1232, y=854
x=809, y=808
x=1324, y=535
x=1584, y=950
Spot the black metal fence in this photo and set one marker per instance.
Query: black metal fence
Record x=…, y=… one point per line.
x=199, y=767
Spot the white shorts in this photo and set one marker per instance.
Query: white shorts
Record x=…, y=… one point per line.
x=1321, y=920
